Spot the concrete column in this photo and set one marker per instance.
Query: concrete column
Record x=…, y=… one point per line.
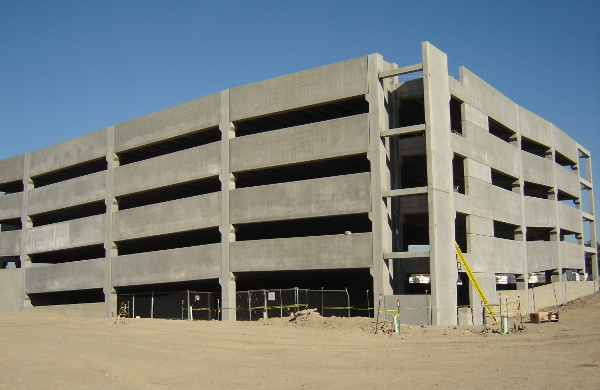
x=380, y=180
x=439, y=182
x=227, y=279
x=522, y=235
x=110, y=248
x=593, y=237
x=487, y=282
x=26, y=224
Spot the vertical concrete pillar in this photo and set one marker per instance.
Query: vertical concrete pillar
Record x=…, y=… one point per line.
x=381, y=271
x=227, y=279
x=526, y=297
x=487, y=282
x=26, y=224
x=439, y=182
x=110, y=248
x=593, y=236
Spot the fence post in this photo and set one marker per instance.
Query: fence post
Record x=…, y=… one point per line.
x=322, y=310
x=152, y=305
x=189, y=306
x=296, y=297
x=280, y=305
x=348, y=296
x=132, y=305
x=250, y=305
x=266, y=312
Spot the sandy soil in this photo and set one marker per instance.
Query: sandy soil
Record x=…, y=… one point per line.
x=47, y=351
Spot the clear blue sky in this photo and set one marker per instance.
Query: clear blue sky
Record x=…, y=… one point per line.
x=71, y=67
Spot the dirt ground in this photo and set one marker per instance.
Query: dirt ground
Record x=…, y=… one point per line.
x=48, y=351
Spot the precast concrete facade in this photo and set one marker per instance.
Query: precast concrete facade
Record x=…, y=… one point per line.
x=357, y=175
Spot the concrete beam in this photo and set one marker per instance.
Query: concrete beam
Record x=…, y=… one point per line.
x=64, y=235
x=174, y=265
x=402, y=70
x=315, y=141
x=196, y=212
x=78, y=275
x=302, y=253
x=11, y=169
x=74, y=151
x=10, y=206
x=405, y=255
x=171, y=122
x=186, y=165
x=84, y=189
x=10, y=243
x=337, y=195
x=403, y=130
x=405, y=192
x=314, y=86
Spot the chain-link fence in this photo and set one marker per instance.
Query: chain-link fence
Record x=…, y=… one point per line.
x=254, y=304
x=175, y=305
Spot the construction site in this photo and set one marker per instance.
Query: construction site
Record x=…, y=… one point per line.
x=356, y=188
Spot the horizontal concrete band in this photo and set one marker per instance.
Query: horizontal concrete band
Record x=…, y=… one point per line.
x=404, y=192
x=86, y=274
x=405, y=255
x=403, y=130
x=402, y=70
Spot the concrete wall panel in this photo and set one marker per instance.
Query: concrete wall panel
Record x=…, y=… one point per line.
x=77, y=275
x=534, y=127
x=10, y=290
x=485, y=98
x=492, y=151
x=196, y=212
x=489, y=201
x=571, y=255
x=478, y=171
x=480, y=226
x=490, y=254
x=334, y=138
x=569, y=218
x=337, y=195
x=564, y=144
x=11, y=169
x=87, y=147
x=302, y=253
x=542, y=255
x=475, y=117
x=186, y=165
x=567, y=181
x=170, y=122
x=68, y=234
x=10, y=243
x=174, y=265
x=540, y=212
x=10, y=205
x=313, y=86
x=72, y=192
x=537, y=169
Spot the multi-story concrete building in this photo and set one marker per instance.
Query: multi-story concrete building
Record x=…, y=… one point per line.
x=341, y=176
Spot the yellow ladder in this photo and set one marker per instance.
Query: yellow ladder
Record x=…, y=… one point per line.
x=473, y=280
